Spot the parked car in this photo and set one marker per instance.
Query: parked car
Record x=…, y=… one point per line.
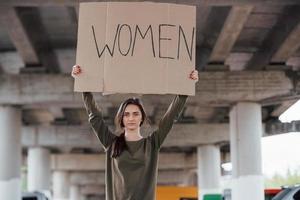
x=289, y=193
x=34, y=196
x=269, y=194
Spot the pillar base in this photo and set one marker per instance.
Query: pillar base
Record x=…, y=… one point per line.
x=61, y=185
x=39, y=169
x=10, y=189
x=248, y=188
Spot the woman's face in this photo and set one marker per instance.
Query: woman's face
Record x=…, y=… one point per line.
x=132, y=117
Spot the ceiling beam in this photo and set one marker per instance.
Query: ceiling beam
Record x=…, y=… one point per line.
x=288, y=47
x=282, y=108
x=232, y=28
x=172, y=177
x=205, y=2
x=78, y=162
x=164, y=177
x=213, y=88
x=75, y=116
x=278, y=127
x=202, y=13
x=209, y=35
x=182, y=135
x=35, y=28
x=1, y=69
x=56, y=112
x=288, y=22
x=92, y=189
x=96, y=162
x=37, y=116
x=84, y=178
x=19, y=36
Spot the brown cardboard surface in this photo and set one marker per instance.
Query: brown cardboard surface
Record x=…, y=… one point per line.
x=184, y=62
x=144, y=40
x=92, y=67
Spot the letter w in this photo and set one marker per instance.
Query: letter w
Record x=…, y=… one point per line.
x=111, y=52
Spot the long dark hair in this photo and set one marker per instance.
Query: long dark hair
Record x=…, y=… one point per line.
x=120, y=144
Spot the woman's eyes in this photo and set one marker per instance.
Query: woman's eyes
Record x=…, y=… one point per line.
x=134, y=114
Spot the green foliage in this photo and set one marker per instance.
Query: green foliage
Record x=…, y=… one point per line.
x=291, y=178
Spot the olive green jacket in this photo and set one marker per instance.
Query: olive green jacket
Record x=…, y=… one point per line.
x=132, y=175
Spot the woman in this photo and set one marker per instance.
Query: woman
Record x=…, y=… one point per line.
x=131, y=160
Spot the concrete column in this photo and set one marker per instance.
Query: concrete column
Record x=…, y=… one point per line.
x=75, y=192
x=245, y=145
x=39, y=169
x=209, y=170
x=10, y=153
x=61, y=185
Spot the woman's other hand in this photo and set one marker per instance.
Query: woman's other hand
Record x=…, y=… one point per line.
x=76, y=70
x=194, y=75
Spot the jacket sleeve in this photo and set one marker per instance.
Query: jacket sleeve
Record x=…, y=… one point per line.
x=101, y=130
x=166, y=123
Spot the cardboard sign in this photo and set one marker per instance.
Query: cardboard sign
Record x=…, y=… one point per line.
x=146, y=48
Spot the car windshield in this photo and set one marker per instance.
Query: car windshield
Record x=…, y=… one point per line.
x=281, y=194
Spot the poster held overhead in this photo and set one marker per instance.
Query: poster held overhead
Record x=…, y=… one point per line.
x=146, y=48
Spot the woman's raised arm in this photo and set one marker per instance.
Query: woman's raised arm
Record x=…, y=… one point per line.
x=101, y=130
x=172, y=114
x=167, y=121
x=95, y=115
